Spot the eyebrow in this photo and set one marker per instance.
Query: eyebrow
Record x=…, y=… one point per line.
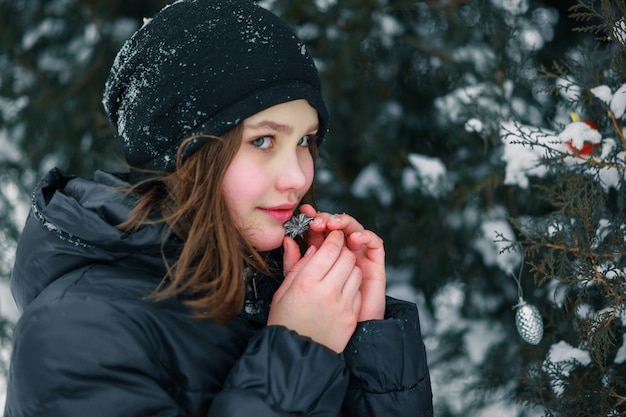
x=277, y=127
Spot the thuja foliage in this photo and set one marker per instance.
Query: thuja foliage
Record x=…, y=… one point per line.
x=576, y=251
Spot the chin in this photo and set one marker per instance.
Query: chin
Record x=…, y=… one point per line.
x=269, y=241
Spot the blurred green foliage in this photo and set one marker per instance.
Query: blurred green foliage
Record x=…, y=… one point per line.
x=401, y=79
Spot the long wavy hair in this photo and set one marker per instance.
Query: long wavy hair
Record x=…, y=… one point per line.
x=209, y=271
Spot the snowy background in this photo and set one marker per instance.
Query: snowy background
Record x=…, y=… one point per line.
x=450, y=148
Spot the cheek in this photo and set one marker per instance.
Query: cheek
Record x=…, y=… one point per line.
x=308, y=168
x=232, y=190
x=241, y=186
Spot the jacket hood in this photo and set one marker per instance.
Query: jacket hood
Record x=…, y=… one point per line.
x=71, y=224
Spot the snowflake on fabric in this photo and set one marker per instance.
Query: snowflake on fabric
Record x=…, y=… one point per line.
x=297, y=225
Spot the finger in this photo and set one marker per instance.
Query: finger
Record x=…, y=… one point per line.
x=345, y=223
x=340, y=271
x=353, y=283
x=325, y=257
x=317, y=228
x=357, y=303
x=308, y=209
x=291, y=271
x=291, y=253
x=318, y=224
x=367, y=241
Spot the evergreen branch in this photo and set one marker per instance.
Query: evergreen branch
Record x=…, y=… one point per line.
x=577, y=250
x=621, y=399
x=619, y=131
x=603, y=164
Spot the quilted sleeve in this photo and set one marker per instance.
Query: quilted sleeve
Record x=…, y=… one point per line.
x=283, y=374
x=81, y=358
x=388, y=369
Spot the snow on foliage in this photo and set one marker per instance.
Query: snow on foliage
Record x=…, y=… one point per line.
x=492, y=251
x=568, y=89
x=428, y=174
x=565, y=356
x=512, y=6
x=481, y=96
x=527, y=147
x=370, y=181
x=620, y=356
x=616, y=101
x=524, y=148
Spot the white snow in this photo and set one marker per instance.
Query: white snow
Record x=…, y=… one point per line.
x=527, y=147
x=453, y=106
x=8, y=309
x=515, y=7
x=474, y=125
x=524, y=149
x=46, y=28
x=566, y=356
x=602, y=93
x=618, y=102
x=20, y=203
x=568, y=89
x=531, y=39
x=389, y=28
x=324, y=5
x=620, y=356
x=427, y=173
x=11, y=108
x=480, y=336
x=480, y=56
x=370, y=181
x=8, y=138
x=447, y=304
x=579, y=133
x=491, y=250
x=563, y=351
x=556, y=292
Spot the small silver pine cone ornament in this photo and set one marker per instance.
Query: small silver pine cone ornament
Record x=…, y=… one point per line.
x=297, y=225
x=528, y=322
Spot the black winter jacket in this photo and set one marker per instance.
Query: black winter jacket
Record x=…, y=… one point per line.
x=90, y=343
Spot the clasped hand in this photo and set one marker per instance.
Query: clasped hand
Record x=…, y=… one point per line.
x=338, y=282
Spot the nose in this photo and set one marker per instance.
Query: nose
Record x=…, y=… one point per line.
x=294, y=172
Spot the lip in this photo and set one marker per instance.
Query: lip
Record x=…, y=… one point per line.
x=280, y=213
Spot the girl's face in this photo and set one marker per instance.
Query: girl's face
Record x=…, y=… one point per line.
x=272, y=171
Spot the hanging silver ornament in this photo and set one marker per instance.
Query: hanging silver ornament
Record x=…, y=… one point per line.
x=297, y=225
x=528, y=322
x=527, y=317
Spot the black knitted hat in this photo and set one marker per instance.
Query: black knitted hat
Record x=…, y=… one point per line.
x=202, y=66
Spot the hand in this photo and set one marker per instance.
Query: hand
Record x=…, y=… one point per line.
x=320, y=296
x=368, y=249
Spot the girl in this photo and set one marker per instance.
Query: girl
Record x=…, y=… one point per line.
x=172, y=290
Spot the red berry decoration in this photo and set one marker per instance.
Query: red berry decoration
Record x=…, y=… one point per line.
x=588, y=148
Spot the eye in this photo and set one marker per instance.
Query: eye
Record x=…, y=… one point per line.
x=306, y=140
x=263, y=142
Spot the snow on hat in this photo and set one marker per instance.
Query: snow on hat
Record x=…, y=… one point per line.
x=201, y=67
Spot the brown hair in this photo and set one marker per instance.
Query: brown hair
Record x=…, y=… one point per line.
x=214, y=254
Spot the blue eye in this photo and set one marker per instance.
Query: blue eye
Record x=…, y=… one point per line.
x=263, y=142
x=304, y=141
